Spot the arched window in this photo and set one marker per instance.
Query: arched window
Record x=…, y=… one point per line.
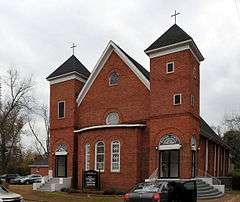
x=87, y=157
x=113, y=79
x=99, y=156
x=61, y=148
x=115, y=156
x=112, y=118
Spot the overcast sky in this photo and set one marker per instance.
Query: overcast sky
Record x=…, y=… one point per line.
x=36, y=36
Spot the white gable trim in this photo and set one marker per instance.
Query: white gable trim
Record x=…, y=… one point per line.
x=66, y=77
x=98, y=67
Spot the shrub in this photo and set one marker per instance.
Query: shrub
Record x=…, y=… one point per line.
x=236, y=183
x=112, y=191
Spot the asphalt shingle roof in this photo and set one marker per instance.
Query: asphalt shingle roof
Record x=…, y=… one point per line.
x=173, y=35
x=209, y=133
x=72, y=64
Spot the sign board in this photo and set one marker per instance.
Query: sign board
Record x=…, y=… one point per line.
x=91, y=179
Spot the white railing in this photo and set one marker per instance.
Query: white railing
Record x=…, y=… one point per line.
x=154, y=175
x=204, y=174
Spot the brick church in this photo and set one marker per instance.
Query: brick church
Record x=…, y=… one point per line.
x=130, y=123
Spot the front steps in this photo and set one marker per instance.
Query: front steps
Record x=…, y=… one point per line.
x=207, y=190
x=53, y=184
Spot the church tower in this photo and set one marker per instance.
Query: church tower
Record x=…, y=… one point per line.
x=174, y=117
x=65, y=84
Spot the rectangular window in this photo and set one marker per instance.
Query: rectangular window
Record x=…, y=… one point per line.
x=192, y=100
x=115, y=156
x=61, y=109
x=87, y=157
x=170, y=67
x=177, y=99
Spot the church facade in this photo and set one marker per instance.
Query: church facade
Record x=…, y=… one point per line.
x=132, y=124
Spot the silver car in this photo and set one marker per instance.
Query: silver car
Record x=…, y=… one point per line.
x=7, y=196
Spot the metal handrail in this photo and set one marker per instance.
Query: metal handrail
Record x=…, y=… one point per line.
x=154, y=175
x=216, y=181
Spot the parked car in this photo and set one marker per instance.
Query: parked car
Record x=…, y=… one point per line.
x=16, y=180
x=30, y=179
x=163, y=191
x=8, y=177
x=6, y=195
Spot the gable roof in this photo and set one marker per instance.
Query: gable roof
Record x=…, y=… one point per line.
x=172, y=37
x=137, y=69
x=71, y=65
x=208, y=132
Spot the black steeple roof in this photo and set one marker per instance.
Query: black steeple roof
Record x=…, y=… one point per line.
x=71, y=65
x=173, y=35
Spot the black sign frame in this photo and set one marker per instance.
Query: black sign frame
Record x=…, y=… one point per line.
x=91, y=179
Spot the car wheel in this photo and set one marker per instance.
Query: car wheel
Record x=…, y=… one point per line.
x=27, y=182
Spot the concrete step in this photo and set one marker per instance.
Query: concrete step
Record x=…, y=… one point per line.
x=206, y=191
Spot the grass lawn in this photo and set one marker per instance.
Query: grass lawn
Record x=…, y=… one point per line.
x=29, y=195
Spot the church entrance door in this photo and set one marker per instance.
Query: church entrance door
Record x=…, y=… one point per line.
x=169, y=163
x=61, y=166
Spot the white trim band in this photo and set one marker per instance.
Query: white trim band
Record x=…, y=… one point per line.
x=63, y=153
x=169, y=147
x=67, y=77
x=109, y=126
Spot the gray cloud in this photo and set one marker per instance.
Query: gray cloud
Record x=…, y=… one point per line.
x=36, y=36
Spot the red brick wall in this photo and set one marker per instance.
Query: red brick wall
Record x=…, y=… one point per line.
x=130, y=156
x=182, y=120
x=61, y=130
x=130, y=97
x=39, y=170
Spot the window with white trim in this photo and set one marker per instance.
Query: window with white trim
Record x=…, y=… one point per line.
x=112, y=118
x=113, y=79
x=61, y=109
x=115, y=156
x=170, y=67
x=87, y=157
x=177, y=99
x=99, y=156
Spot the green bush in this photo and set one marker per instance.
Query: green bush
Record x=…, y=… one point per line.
x=236, y=173
x=236, y=183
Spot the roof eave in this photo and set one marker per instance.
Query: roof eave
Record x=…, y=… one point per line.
x=67, y=74
x=189, y=43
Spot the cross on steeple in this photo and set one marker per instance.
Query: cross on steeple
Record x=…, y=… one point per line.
x=73, y=46
x=175, y=16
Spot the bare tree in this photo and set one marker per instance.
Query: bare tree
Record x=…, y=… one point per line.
x=232, y=122
x=16, y=104
x=42, y=146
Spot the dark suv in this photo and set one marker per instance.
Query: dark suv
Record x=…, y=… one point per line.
x=163, y=191
x=8, y=177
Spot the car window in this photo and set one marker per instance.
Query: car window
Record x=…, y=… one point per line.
x=147, y=187
x=189, y=185
x=3, y=190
